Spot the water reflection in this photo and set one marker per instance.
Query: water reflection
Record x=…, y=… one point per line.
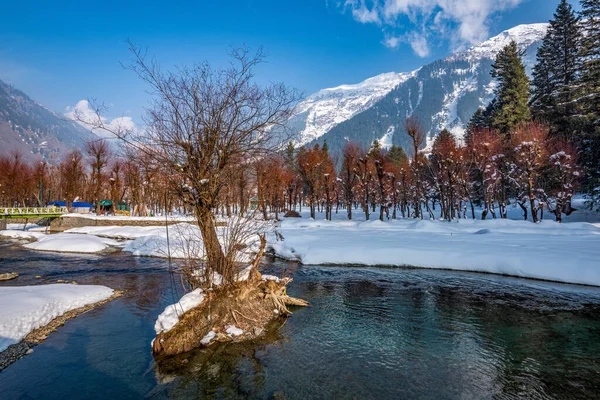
x=370, y=333
x=222, y=370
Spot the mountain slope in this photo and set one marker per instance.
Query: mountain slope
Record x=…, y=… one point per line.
x=442, y=94
x=35, y=131
x=320, y=112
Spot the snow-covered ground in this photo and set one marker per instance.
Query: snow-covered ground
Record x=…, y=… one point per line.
x=122, y=232
x=72, y=243
x=158, y=218
x=25, y=308
x=20, y=234
x=567, y=252
x=181, y=241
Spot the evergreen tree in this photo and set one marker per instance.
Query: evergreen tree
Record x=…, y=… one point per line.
x=375, y=146
x=478, y=120
x=542, y=102
x=512, y=93
x=289, y=155
x=397, y=155
x=444, y=137
x=590, y=96
x=590, y=52
x=556, y=72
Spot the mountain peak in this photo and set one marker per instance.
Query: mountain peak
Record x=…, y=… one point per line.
x=323, y=110
x=524, y=35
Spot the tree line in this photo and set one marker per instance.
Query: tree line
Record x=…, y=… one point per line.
x=449, y=182
x=94, y=174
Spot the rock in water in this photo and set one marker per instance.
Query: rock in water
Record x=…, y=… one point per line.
x=8, y=276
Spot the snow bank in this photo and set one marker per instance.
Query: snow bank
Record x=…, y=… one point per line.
x=72, y=243
x=120, y=232
x=28, y=235
x=170, y=316
x=159, y=218
x=568, y=252
x=25, y=308
x=28, y=227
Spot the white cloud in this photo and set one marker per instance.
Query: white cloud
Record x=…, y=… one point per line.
x=419, y=45
x=362, y=13
x=87, y=117
x=392, y=41
x=463, y=22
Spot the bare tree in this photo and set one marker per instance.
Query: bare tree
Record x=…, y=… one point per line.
x=347, y=176
x=201, y=120
x=99, y=154
x=71, y=176
x=416, y=133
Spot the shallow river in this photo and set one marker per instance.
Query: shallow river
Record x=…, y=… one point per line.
x=371, y=333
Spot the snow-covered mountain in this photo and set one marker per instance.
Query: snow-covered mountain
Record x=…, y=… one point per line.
x=33, y=130
x=442, y=94
x=323, y=110
x=525, y=35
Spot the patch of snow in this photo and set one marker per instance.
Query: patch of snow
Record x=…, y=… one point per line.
x=208, y=338
x=28, y=235
x=25, y=308
x=72, y=243
x=185, y=240
x=170, y=316
x=120, y=232
x=270, y=278
x=386, y=140
x=233, y=330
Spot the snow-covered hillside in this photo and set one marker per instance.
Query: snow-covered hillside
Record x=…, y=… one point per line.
x=525, y=35
x=454, y=88
x=328, y=107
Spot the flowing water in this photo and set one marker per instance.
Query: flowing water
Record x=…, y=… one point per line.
x=371, y=333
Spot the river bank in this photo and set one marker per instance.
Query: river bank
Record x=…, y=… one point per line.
x=18, y=350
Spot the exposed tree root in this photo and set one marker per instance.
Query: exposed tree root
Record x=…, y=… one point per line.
x=248, y=305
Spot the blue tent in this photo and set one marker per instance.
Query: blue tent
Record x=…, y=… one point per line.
x=76, y=204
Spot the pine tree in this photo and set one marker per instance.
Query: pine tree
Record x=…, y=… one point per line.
x=590, y=52
x=397, y=155
x=477, y=120
x=556, y=72
x=289, y=155
x=590, y=97
x=542, y=102
x=513, y=90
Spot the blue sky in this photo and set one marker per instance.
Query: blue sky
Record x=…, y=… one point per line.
x=60, y=53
